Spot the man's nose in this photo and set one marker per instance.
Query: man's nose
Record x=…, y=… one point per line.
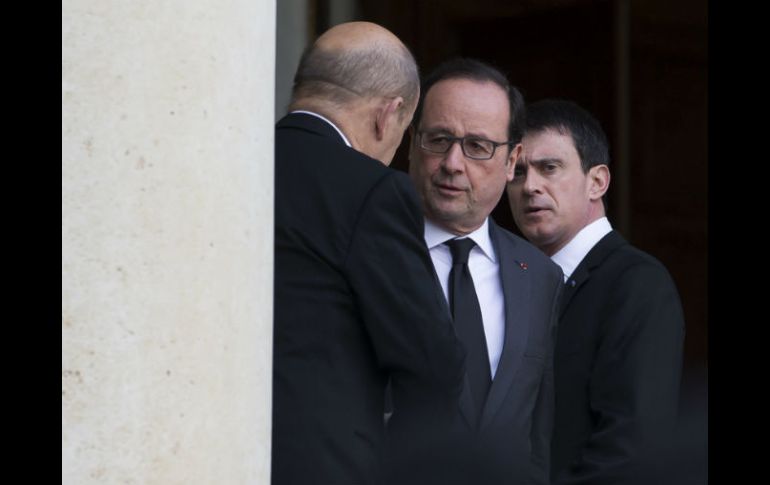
x=454, y=158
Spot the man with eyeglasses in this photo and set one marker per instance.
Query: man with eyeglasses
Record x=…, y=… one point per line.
x=465, y=139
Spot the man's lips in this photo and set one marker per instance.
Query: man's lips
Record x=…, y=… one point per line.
x=535, y=209
x=449, y=189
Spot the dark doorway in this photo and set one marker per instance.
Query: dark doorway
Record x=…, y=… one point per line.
x=640, y=67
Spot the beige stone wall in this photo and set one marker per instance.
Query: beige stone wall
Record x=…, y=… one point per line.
x=167, y=237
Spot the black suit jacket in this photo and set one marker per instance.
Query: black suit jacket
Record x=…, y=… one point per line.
x=356, y=302
x=618, y=363
x=511, y=444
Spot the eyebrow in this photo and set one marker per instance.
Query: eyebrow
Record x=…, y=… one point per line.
x=543, y=161
x=441, y=129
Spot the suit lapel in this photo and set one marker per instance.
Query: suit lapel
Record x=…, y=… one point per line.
x=573, y=284
x=516, y=290
x=582, y=273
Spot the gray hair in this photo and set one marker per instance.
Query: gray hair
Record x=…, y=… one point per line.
x=341, y=75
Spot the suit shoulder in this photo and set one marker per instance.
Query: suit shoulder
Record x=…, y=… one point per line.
x=313, y=158
x=398, y=180
x=392, y=193
x=529, y=254
x=631, y=271
x=631, y=260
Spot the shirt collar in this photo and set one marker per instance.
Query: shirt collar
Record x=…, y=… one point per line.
x=344, y=138
x=570, y=256
x=435, y=236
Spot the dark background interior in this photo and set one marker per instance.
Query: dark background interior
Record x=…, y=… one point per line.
x=639, y=66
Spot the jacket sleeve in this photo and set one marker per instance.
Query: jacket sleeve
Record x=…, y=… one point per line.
x=394, y=284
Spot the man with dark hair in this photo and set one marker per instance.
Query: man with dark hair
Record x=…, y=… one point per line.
x=502, y=291
x=621, y=329
x=356, y=300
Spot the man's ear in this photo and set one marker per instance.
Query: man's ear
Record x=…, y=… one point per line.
x=513, y=157
x=387, y=112
x=598, y=181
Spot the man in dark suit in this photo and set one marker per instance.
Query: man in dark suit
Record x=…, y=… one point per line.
x=621, y=329
x=464, y=145
x=356, y=300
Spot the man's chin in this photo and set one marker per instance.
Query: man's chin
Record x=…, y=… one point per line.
x=535, y=235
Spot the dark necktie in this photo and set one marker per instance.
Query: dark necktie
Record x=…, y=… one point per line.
x=468, y=324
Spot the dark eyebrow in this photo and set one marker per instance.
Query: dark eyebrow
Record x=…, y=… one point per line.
x=436, y=131
x=480, y=137
x=543, y=161
x=439, y=130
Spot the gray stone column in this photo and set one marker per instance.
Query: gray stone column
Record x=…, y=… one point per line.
x=167, y=240
x=292, y=35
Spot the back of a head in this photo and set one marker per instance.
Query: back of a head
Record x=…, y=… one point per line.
x=356, y=60
x=476, y=70
x=567, y=118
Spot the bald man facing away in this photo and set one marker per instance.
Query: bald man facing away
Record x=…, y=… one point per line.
x=357, y=302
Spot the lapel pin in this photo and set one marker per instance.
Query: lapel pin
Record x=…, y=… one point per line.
x=522, y=265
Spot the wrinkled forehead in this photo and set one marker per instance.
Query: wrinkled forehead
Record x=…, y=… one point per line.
x=466, y=107
x=548, y=144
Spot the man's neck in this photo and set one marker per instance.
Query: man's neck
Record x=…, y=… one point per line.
x=350, y=121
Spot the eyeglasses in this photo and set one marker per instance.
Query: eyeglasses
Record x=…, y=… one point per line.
x=472, y=146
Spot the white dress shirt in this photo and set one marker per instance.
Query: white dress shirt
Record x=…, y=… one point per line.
x=344, y=138
x=570, y=256
x=485, y=271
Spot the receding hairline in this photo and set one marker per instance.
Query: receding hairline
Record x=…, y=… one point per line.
x=380, y=66
x=354, y=35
